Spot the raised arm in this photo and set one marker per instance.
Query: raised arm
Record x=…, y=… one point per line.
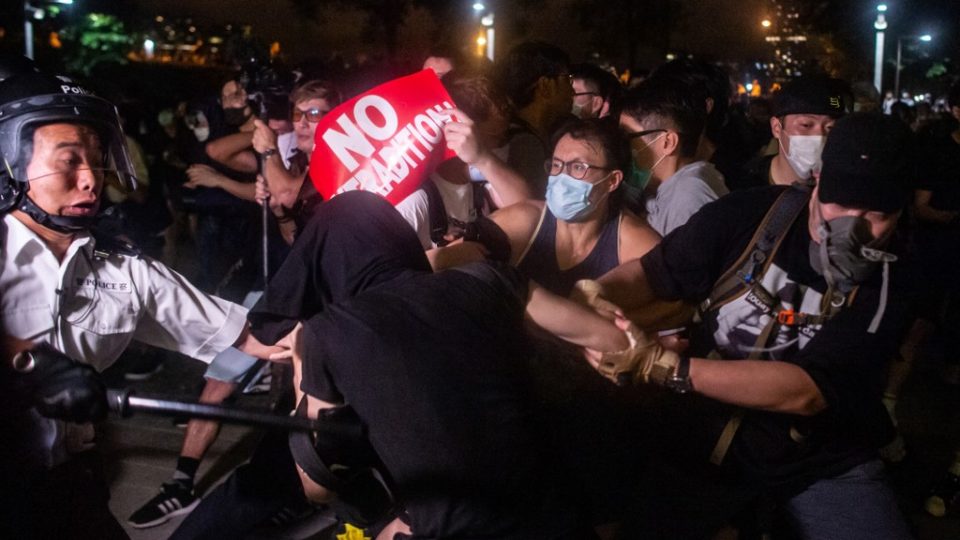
x=461, y=137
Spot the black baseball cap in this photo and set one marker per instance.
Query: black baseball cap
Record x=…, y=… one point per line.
x=868, y=162
x=812, y=95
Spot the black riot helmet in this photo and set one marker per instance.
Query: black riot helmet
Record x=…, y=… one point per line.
x=30, y=99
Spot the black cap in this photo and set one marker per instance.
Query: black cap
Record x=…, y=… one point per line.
x=812, y=95
x=868, y=162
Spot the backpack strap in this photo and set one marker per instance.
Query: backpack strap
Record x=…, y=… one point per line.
x=758, y=255
x=437, y=213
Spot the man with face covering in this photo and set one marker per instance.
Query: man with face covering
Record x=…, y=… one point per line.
x=434, y=365
x=801, y=302
x=804, y=112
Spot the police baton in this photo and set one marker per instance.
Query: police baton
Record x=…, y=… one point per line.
x=125, y=403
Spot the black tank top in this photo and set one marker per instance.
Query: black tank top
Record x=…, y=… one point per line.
x=540, y=261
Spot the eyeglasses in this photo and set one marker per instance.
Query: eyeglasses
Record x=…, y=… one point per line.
x=313, y=115
x=575, y=94
x=576, y=169
x=644, y=133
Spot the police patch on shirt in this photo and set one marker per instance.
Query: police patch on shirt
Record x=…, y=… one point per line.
x=103, y=285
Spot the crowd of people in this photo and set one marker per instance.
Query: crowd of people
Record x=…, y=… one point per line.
x=652, y=311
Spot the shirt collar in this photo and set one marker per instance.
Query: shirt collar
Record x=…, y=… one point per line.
x=19, y=237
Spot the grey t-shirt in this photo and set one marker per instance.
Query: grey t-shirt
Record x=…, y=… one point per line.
x=683, y=194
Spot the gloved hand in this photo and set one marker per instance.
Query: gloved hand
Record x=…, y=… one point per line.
x=644, y=361
x=590, y=293
x=58, y=386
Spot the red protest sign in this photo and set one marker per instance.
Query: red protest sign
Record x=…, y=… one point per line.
x=387, y=140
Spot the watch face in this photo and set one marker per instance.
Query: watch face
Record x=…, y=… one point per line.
x=680, y=385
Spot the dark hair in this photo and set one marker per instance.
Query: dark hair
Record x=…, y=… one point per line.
x=602, y=131
x=474, y=94
x=953, y=95
x=710, y=80
x=316, y=89
x=669, y=100
x=605, y=83
x=518, y=72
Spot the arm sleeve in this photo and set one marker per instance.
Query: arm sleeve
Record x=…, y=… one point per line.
x=182, y=318
x=415, y=211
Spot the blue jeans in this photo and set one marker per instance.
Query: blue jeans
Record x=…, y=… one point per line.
x=858, y=504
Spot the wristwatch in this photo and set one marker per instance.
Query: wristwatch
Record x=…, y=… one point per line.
x=680, y=382
x=269, y=152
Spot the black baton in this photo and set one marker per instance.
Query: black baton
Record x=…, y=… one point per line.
x=125, y=404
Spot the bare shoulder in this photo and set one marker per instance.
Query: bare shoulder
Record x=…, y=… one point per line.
x=637, y=237
x=519, y=222
x=521, y=215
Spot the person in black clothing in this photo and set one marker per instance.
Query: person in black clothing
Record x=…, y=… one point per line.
x=535, y=77
x=433, y=364
x=779, y=396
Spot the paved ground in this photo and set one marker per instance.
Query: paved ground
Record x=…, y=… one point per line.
x=141, y=452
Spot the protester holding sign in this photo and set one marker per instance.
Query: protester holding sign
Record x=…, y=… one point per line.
x=469, y=186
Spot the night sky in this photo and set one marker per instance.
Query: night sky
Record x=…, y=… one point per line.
x=715, y=29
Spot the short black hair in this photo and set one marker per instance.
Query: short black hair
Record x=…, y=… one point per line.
x=602, y=131
x=673, y=101
x=607, y=85
x=475, y=94
x=517, y=73
x=711, y=80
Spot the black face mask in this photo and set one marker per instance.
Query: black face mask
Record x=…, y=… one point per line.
x=236, y=116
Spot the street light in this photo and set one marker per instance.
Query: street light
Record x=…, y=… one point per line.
x=880, y=25
x=926, y=38
x=31, y=12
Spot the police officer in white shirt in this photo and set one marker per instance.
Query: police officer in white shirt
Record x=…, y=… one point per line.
x=86, y=296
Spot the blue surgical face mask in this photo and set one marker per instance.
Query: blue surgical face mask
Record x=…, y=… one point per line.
x=568, y=198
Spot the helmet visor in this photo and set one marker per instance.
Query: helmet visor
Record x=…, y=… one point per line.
x=109, y=158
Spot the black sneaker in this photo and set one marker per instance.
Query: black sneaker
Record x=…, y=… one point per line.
x=173, y=500
x=944, y=496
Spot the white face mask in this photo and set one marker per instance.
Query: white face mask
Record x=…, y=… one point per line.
x=804, y=155
x=202, y=133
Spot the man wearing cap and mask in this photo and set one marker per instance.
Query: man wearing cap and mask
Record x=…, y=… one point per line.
x=804, y=112
x=88, y=296
x=801, y=300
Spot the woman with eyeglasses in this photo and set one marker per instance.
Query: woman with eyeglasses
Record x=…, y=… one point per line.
x=581, y=231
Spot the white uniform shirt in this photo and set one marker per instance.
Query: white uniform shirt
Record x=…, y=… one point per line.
x=90, y=307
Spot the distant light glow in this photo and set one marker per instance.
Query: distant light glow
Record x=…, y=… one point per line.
x=482, y=40
x=478, y=6
x=881, y=8
x=749, y=87
x=766, y=23
x=926, y=37
x=64, y=2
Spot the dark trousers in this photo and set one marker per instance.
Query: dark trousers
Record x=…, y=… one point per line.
x=254, y=493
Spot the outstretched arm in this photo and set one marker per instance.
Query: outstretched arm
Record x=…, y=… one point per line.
x=572, y=322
